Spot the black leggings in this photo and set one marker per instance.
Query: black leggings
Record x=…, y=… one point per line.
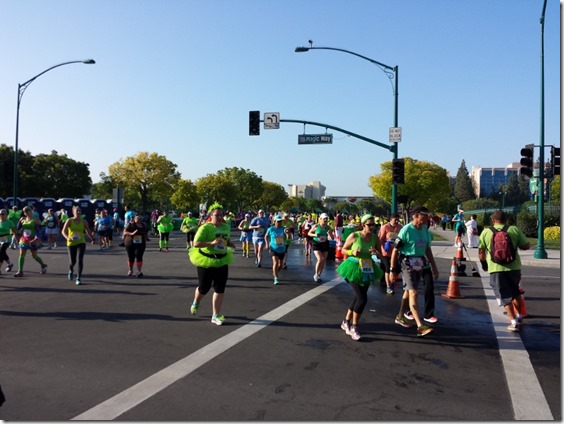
x=73, y=250
x=3, y=254
x=360, y=298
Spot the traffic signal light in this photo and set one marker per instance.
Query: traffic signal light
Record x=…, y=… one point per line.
x=555, y=160
x=526, y=162
x=398, y=171
x=254, y=122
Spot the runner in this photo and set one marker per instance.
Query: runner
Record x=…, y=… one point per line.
x=259, y=225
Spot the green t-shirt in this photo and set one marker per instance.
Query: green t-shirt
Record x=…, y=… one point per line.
x=517, y=237
x=6, y=231
x=414, y=241
x=209, y=232
x=191, y=223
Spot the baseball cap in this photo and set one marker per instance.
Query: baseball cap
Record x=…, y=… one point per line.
x=420, y=209
x=278, y=218
x=324, y=215
x=260, y=211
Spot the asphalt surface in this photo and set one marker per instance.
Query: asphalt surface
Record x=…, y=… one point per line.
x=127, y=348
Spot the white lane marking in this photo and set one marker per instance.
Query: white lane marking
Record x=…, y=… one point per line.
x=133, y=396
x=527, y=397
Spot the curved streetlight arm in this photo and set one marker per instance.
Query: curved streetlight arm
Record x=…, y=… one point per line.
x=21, y=90
x=305, y=49
x=22, y=87
x=391, y=73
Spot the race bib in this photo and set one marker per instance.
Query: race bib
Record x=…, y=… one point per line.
x=415, y=263
x=260, y=231
x=366, y=266
x=279, y=240
x=322, y=239
x=137, y=239
x=27, y=233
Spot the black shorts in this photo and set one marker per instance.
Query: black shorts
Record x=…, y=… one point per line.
x=279, y=255
x=321, y=247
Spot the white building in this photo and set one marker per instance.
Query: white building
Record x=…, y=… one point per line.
x=313, y=190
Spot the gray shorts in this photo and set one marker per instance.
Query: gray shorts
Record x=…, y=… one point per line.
x=506, y=285
x=409, y=275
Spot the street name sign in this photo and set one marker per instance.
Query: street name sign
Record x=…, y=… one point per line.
x=315, y=139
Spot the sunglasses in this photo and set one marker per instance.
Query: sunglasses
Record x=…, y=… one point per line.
x=370, y=225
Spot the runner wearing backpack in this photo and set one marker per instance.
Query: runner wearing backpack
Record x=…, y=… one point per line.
x=499, y=256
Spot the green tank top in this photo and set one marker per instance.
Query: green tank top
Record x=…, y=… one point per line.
x=364, y=246
x=321, y=234
x=75, y=233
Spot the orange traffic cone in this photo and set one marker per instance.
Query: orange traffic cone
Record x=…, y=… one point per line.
x=339, y=248
x=459, y=253
x=453, y=289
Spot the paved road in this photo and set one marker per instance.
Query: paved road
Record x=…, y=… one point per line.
x=127, y=349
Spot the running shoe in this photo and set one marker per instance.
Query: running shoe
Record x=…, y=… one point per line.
x=389, y=290
x=217, y=319
x=285, y=266
x=432, y=320
x=403, y=321
x=130, y=273
x=346, y=327
x=9, y=267
x=259, y=265
x=315, y=278
x=194, y=308
x=70, y=276
x=408, y=316
x=423, y=330
x=355, y=335
x=513, y=327
x=78, y=281
x=140, y=275
x=275, y=281
x=18, y=274
x=44, y=269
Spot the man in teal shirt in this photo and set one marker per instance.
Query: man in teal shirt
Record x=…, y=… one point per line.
x=504, y=278
x=410, y=255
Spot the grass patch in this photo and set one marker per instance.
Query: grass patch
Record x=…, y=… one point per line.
x=548, y=244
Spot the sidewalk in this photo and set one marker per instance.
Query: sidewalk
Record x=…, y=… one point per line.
x=446, y=249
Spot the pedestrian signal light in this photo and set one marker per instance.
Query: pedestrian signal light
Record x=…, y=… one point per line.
x=526, y=162
x=555, y=160
x=398, y=171
x=254, y=122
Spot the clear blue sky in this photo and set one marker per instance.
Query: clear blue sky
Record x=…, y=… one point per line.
x=178, y=77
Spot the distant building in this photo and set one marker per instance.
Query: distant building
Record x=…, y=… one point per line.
x=487, y=180
x=313, y=190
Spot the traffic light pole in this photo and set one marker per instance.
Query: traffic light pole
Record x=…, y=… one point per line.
x=540, y=252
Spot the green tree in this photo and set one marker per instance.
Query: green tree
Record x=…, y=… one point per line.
x=463, y=188
x=104, y=189
x=246, y=184
x=273, y=197
x=58, y=176
x=425, y=183
x=555, y=189
x=513, y=192
x=148, y=178
x=216, y=188
x=294, y=204
x=185, y=197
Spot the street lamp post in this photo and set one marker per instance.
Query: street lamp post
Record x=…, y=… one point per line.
x=540, y=252
x=21, y=90
x=391, y=72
